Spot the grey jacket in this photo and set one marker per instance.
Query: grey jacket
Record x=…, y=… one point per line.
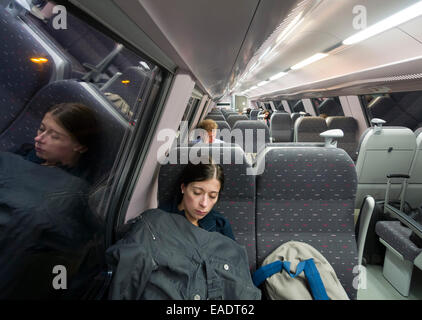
x=164, y=256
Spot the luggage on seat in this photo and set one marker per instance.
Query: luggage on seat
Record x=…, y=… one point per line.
x=284, y=279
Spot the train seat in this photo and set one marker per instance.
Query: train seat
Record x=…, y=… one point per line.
x=215, y=117
x=254, y=114
x=383, y=150
x=112, y=125
x=236, y=201
x=401, y=254
x=307, y=194
x=296, y=115
x=129, y=87
x=233, y=118
x=349, y=126
x=308, y=129
x=21, y=78
x=223, y=131
x=215, y=111
x=251, y=135
x=281, y=127
x=222, y=124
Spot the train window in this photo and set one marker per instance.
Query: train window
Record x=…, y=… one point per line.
x=64, y=146
x=328, y=106
x=278, y=105
x=296, y=105
x=397, y=109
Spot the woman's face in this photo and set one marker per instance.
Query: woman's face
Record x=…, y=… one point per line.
x=199, y=198
x=55, y=145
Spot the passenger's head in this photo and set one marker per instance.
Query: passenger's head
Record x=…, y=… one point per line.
x=210, y=126
x=200, y=187
x=66, y=132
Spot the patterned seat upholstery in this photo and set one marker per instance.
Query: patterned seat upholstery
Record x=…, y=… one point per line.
x=237, y=200
x=233, y=118
x=223, y=131
x=251, y=135
x=112, y=125
x=20, y=78
x=307, y=194
x=254, y=114
x=398, y=237
x=215, y=117
x=349, y=127
x=308, y=129
x=281, y=127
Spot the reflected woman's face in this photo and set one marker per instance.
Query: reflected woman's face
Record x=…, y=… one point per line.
x=199, y=198
x=56, y=145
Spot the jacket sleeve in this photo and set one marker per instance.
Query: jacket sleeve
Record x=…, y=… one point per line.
x=132, y=267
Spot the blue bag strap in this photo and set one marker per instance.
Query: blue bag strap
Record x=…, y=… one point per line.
x=308, y=266
x=315, y=281
x=266, y=271
x=299, y=268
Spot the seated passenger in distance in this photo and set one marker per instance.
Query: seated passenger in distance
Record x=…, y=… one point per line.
x=199, y=190
x=210, y=126
x=63, y=140
x=267, y=117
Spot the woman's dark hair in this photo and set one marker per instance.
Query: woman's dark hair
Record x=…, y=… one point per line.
x=200, y=172
x=78, y=120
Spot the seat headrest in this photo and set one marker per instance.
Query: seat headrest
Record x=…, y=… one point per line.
x=20, y=77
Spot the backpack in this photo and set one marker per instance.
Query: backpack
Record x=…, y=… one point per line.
x=297, y=271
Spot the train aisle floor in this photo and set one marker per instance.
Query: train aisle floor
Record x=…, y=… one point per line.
x=378, y=288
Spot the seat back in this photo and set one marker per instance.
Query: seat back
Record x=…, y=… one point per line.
x=254, y=114
x=281, y=127
x=383, y=151
x=232, y=119
x=223, y=131
x=307, y=194
x=251, y=135
x=349, y=126
x=236, y=202
x=215, y=117
x=20, y=77
x=111, y=124
x=227, y=114
x=308, y=129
